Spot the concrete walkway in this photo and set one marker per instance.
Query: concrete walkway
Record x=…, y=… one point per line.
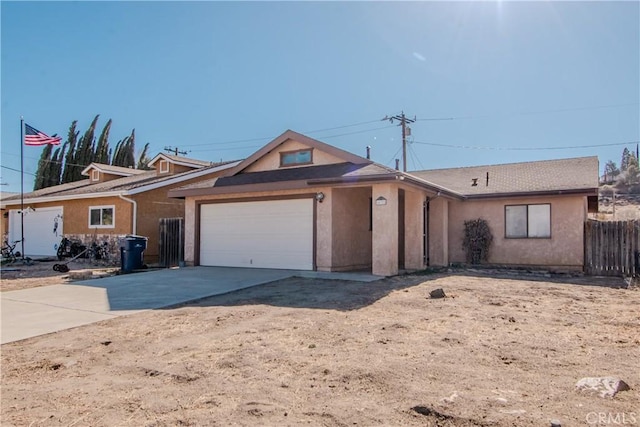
x=37, y=311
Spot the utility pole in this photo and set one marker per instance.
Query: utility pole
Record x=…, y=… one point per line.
x=406, y=131
x=175, y=150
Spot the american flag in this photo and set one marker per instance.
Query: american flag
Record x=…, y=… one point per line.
x=33, y=136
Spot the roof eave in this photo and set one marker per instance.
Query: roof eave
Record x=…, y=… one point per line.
x=244, y=188
x=571, y=192
x=45, y=199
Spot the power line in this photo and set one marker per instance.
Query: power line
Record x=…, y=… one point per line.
x=237, y=141
x=16, y=170
x=175, y=150
x=356, y=132
x=475, y=147
x=527, y=113
x=406, y=131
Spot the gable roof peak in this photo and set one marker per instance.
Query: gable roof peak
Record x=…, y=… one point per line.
x=110, y=169
x=180, y=160
x=304, y=139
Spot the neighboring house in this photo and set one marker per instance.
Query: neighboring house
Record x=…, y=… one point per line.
x=112, y=202
x=299, y=203
x=4, y=215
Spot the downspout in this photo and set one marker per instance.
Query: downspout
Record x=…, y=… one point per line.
x=135, y=212
x=425, y=231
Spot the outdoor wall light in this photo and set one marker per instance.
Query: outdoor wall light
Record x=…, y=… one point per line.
x=320, y=196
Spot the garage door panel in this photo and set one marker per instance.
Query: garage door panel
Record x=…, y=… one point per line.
x=43, y=228
x=266, y=234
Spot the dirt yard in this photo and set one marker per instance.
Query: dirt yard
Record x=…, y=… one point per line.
x=40, y=273
x=497, y=351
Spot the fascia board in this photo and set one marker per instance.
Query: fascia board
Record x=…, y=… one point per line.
x=195, y=174
x=45, y=199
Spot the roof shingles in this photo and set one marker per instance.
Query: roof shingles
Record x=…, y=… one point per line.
x=85, y=186
x=529, y=177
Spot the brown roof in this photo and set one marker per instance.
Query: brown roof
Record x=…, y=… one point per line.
x=184, y=160
x=301, y=177
x=116, y=170
x=123, y=184
x=562, y=175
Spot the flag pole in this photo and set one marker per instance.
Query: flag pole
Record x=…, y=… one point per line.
x=22, y=186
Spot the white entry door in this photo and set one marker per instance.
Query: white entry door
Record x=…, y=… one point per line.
x=42, y=230
x=264, y=234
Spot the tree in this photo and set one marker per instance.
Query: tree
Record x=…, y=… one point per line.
x=65, y=164
x=40, y=180
x=124, y=152
x=102, y=149
x=624, y=162
x=632, y=175
x=143, y=160
x=72, y=139
x=611, y=171
x=85, y=153
x=55, y=166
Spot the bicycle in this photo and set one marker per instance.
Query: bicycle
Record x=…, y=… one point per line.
x=98, y=252
x=8, y=253
x=69, y=248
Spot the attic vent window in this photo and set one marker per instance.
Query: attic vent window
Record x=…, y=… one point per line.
x=164, y=166
x=95, y=175
x=294, y=158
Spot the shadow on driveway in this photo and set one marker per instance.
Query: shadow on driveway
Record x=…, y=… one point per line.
x=299, y=292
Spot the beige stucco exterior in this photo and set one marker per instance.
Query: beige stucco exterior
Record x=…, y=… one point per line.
x=345, y=242
x=271, y=161
x=565, y=248
x=390, y=222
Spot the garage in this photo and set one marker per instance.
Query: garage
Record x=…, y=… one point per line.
x=42, y=230
x=258, y=234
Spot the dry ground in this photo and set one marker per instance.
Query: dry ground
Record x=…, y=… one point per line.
x=496, y=352
x=40, y=273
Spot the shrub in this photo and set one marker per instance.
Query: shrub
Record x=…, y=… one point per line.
x=477, y=240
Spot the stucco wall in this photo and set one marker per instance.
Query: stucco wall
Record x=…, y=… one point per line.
x=351, y=247
x=438, y=233
x=153, y=205
x=564, y=248
x=76, y=215
x=414, y=228
x=271, y=161
x=385, y=230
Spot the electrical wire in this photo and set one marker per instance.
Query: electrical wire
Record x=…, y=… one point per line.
x=416, y=157
x=475, y=147
x=236, y=141
x=528, y=113
x=393, y=157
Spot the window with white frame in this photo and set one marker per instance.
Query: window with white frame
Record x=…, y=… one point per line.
x=95, y=175
x=527, y=221
x=102, y=216
x=164, y=166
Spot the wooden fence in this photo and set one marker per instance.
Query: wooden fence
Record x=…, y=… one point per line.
x=611, y=248
x=171, y=251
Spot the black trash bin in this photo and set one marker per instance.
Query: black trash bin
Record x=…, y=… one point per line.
x=131, y=249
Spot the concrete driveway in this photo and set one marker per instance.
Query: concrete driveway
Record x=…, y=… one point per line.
x=37, y=311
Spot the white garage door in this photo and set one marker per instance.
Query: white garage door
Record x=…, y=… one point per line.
x=42, y=230
x=267, y=234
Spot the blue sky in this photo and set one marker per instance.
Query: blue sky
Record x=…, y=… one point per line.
x=204, y=75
